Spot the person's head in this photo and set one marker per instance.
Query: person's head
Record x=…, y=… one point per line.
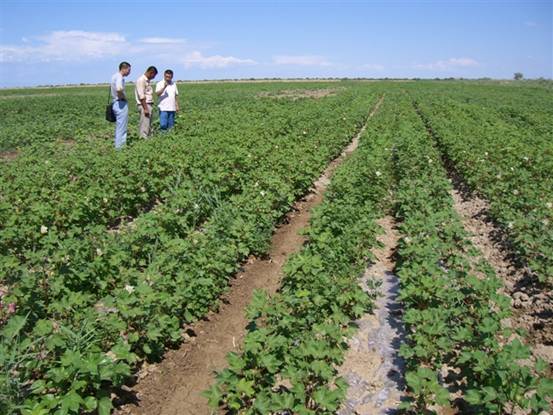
x=125, y=68
x=151, y=72
x=168, y=75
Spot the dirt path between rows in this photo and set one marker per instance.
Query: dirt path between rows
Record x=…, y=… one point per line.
x=373, y=368
x=532, y=306
x=174, y=386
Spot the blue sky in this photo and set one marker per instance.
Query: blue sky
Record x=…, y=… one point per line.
x=59, y=42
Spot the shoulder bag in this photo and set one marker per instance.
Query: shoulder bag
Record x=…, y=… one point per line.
x=110, y=114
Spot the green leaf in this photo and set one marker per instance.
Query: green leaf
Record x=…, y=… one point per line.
x=283, y=401
x=71, y=402
x=262, y=403
x=246, y=387
x=545, y=387
x=104, y=406
x=236, y=363
x=325, y=398
x=90, y=403
x=303, y=293
x=489, y=394
x=473, y=397
x=14, y=325
x=213, y=395
x=147, y=349
x=270, y=362
x=413, y=382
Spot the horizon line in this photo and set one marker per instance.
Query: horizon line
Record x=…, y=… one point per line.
x=279, y=79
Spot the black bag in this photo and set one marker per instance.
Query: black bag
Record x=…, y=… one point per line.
x=110, y=114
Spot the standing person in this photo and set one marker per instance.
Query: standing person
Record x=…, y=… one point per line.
x=167, y=92
x=144, y=100
x=119, y=103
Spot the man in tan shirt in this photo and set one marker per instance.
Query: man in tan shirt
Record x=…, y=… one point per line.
x=144, y=95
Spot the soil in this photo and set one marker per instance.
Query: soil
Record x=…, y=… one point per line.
x=174, y=385
x=8, y=155
x=372, y=366
x=294, y=94
x=532, y=304
x=69, y=142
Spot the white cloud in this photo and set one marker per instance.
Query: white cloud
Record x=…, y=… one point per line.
x=65, y=45
x=301, y=60
x=77, y=45
x=451, y=63
x=163, y=41
x=373, y=66
x=12, y=53
x=196, y=58
x=530, y=23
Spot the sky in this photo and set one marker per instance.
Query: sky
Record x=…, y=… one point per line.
x=71, y=42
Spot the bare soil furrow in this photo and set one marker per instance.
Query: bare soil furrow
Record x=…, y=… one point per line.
x=532, y=305
x=372, y=367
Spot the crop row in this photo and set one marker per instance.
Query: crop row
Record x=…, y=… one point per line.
x=192, y=180
x=457, y=351
x=34, y=117
x=59, y=189
x=297, y=337
x=528, y=107
x=102, y=300
x=46, y=116
x=510, y=166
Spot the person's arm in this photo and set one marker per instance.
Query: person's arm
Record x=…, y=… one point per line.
x=160, y=91
x=141, y=90
x=120, y=89
x=177, y=98
x=145, y=107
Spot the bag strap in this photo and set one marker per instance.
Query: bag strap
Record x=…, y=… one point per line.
x=109, y=93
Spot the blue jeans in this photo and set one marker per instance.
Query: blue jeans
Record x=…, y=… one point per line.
x=121, y=110
x=166, y=120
